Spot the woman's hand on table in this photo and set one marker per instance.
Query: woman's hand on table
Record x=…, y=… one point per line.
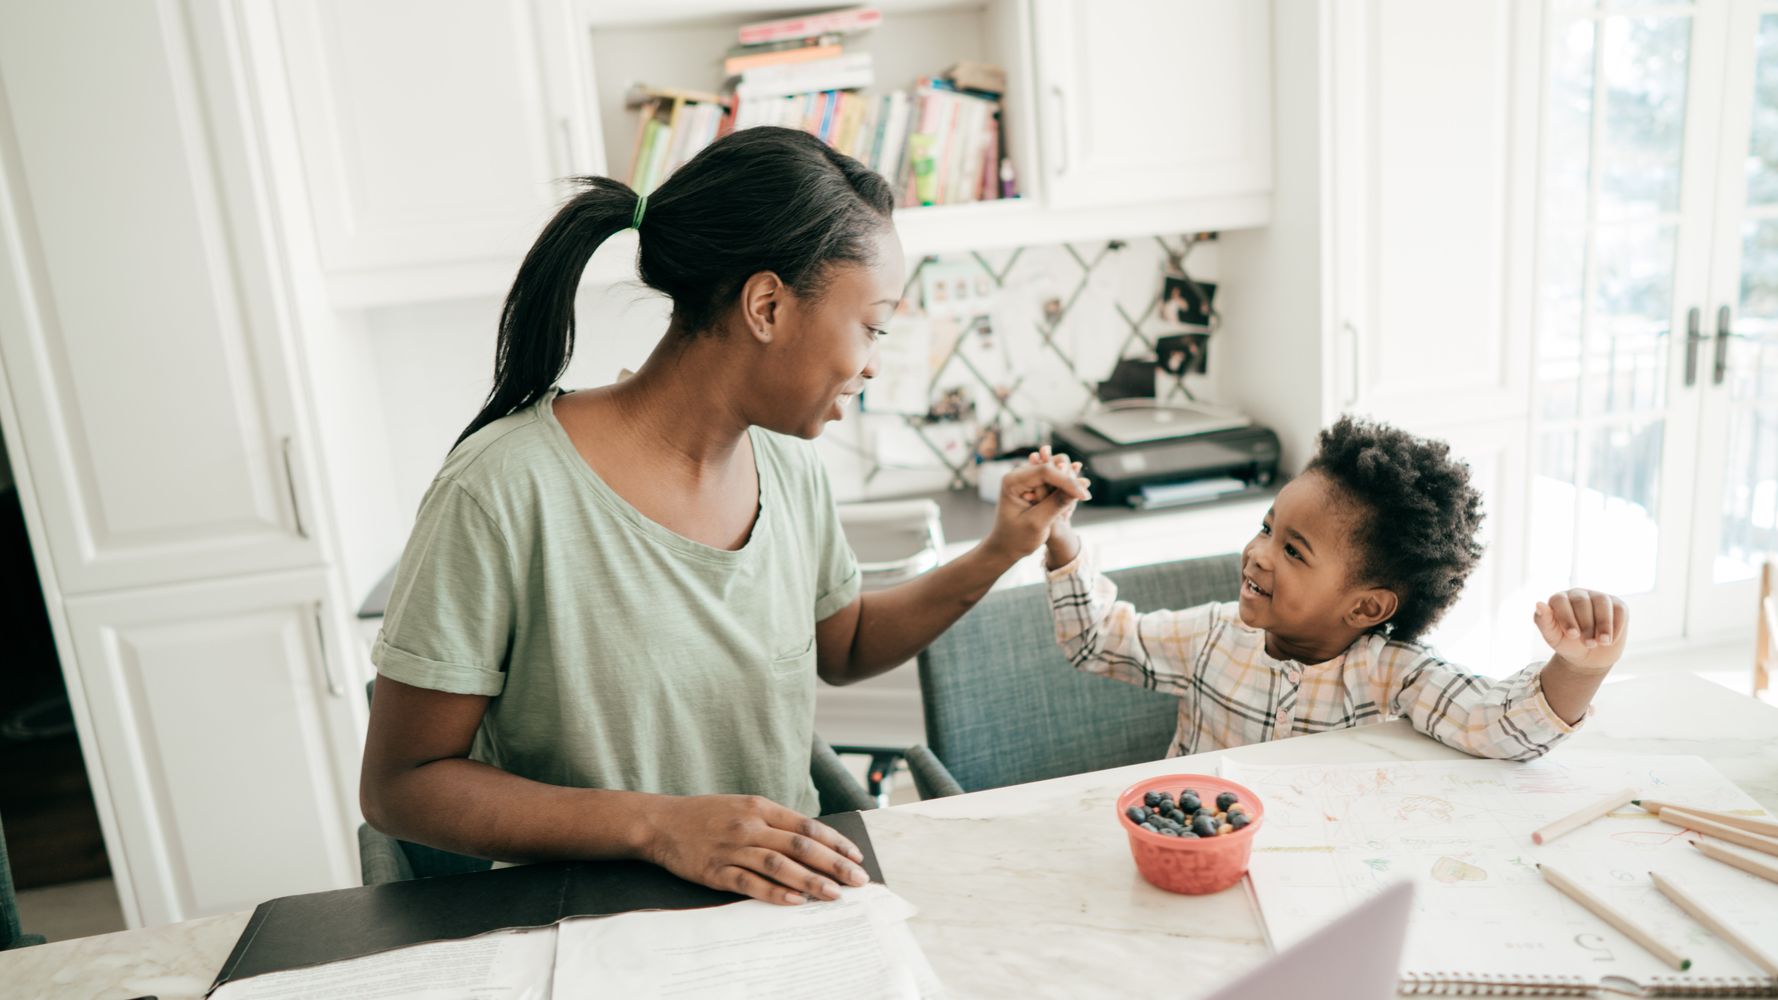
x=750, y=845
x=1033, y=499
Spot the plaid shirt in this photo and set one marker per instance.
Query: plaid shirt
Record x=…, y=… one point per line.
x=1232, y=693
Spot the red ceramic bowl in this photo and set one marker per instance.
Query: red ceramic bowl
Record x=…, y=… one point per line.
x=1193, y=865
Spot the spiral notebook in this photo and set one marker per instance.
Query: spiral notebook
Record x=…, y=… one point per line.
x=1484, y=921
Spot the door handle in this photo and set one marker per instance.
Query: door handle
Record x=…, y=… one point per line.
x=333, y=686
x=1723, y=333
x=1692, y=339
x=1062, y=127
x=296, y=510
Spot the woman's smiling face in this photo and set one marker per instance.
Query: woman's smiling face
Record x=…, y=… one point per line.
x=824, y=347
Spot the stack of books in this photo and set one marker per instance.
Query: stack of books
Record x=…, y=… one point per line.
x=675, y=125
x=939, y=143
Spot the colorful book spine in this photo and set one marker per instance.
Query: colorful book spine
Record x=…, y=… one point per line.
x=831, y=22
x=736, y=65
x=848, y=72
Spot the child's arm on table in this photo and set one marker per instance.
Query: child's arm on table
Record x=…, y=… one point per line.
x=1523, y=716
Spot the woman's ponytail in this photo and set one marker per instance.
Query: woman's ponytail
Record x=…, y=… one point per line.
x=758, y=200
x=537, y=322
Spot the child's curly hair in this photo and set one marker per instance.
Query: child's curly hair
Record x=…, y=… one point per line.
x=1417, y=516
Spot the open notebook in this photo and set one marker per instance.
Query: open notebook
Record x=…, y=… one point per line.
x=1484, y=920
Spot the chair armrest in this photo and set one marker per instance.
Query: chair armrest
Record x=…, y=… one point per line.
x=838, y=789
x=380, y=858
x=931, y=778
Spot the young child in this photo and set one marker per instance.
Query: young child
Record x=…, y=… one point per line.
x=1357, y=558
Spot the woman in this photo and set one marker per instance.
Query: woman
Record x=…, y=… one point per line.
x=606, y=628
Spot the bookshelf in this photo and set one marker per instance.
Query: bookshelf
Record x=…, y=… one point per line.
x=409, y=215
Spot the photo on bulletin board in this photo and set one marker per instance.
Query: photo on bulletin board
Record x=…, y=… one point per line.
x=956, y=288
x=1184, y=354
x=1186, y=302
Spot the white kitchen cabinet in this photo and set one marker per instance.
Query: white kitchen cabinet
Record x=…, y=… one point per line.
x=1433, y=128
x=140, y=323
x=434, y=135
x=1153, y=101
x=1398, y=280
x=157, y=416
x=1433, y=146
x=227, y=721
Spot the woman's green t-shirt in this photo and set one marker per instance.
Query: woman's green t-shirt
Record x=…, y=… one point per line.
x=619, y=654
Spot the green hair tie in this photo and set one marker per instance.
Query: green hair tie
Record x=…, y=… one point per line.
x=636, y=218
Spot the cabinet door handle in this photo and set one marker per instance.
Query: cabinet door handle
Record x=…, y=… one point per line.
x=296, y=509
x=334, y=687
x=1692, y=339
x=1723, y=333
x=1062, y=126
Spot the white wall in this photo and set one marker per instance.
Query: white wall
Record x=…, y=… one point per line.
x=1276, y=367
x=433, y=362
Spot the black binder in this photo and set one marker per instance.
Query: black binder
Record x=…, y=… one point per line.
x=295, y=932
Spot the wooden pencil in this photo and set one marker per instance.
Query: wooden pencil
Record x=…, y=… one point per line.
x=1714, y=924
x=1567, y=823
x=1763, y=827
x=1603, y=911
x=1752, y=866
x=1691, y=821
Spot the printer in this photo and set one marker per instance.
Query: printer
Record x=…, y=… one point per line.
x=1165, y=471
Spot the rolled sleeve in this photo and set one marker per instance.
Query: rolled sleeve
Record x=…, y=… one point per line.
x=437, y=675
x=449, y=625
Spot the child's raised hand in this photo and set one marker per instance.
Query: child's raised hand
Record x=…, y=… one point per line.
x=1584, y=627
x=1032, y=498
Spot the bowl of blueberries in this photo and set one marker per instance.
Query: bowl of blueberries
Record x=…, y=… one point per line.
x=1190, y=833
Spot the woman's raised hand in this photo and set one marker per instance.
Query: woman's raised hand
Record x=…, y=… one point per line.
x=1033, y=498
x=751, y=845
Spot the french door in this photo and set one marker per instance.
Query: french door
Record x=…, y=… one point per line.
x=1655, y=466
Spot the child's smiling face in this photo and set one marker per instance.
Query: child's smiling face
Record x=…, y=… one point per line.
x=1299, y=575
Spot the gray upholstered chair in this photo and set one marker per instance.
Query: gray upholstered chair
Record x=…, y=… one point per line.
x=10, y=934
x=383, y=858
x=1004, y=707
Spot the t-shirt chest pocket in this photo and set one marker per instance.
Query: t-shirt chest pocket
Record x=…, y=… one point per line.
x=796, y=660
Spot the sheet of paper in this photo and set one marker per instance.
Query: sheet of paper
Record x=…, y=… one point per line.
x=858, y=946
x=1334, y=835
x=508, y=965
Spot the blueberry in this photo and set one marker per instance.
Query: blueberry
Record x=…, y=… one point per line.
x=1189, y=802
x=1150, y=827
x=1226, y=799
x=1167, y=831
x=1151, y=799
x=1190, y=834
x=1137, y=814
x=1193, y=792
x=1204, y=825
x=1238, y=820
x=1176, y=816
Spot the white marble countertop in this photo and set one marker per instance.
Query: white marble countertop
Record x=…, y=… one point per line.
x=1029, y=890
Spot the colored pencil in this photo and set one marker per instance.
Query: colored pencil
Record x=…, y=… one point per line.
x=1752, y=866
x=1764, y=827
x=1691, y=821
x=1585, y=816
x=1716, y=925
x=1603, y=911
